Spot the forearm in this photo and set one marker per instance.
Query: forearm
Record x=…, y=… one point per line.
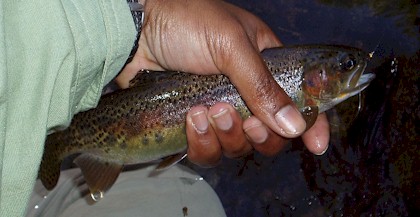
x=58, y=55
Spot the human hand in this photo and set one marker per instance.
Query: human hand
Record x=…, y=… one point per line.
x=213, y=37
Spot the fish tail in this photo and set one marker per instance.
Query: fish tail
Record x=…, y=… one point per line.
x=49, y=170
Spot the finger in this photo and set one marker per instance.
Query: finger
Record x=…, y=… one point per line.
x=263, y=96
x=203, y=146
x=227, y=125
x=249, y=74
x=317, y=137
x=262, y=138
x=266, y=38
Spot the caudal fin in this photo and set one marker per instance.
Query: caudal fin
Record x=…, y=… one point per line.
x=49, y=170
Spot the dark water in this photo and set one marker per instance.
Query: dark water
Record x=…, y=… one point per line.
x=373, y=163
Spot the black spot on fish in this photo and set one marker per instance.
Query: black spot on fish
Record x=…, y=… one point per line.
x=158, y=137
x=123, y=145
x=145, y=141
x=110, y=139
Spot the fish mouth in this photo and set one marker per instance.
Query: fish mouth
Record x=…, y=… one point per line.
x=358, y=81
x=363, y=81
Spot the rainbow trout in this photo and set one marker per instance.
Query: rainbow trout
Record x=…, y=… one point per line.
x=146, y=122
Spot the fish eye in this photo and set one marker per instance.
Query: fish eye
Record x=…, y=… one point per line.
x=348, y=62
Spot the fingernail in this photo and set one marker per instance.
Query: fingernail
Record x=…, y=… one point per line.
x=319, y=145
x=257, y=133
x=323, y=152
x=290, y=121
x=199, y=122
x=223, y=120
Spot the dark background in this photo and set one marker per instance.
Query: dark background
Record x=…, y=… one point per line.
x=372, y=165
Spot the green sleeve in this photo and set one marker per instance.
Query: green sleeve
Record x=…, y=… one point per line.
x=55, y=58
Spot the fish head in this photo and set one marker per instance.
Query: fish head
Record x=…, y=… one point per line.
x=333, y=75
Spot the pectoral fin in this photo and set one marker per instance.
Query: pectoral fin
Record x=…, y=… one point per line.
x=99, y=174
x=310, y=114
x=170, y=161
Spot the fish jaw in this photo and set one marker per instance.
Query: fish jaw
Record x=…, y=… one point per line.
x=362, y=84
x=358, y=81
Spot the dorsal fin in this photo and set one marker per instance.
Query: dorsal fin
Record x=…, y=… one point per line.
x=99, y=174
x=147, y=78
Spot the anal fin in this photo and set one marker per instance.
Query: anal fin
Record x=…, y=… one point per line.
x=99, y=174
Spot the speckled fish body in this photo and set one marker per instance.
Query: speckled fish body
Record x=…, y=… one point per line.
x=147, y=121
